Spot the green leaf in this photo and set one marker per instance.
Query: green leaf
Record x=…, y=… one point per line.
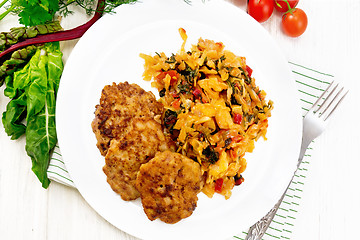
x=22, y=56
x=33, y=92
x=12, y=117
x=41, y=130
x=9, y=91
x=55, y=64
x=35, y=12
x=41, y=138
x=37, y=89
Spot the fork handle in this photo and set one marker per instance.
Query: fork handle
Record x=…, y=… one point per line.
x=304, y=145
x=257, y=230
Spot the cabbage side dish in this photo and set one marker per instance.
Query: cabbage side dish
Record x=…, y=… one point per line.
x=214, y=111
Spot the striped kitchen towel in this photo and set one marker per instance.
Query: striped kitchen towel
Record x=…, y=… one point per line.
x=57, y=170
x=310, y=84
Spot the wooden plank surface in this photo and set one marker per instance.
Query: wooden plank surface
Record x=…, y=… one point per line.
x=330, y=205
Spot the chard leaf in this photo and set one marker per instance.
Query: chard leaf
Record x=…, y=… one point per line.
x=37, y=89
x=12, y=117
x=41, y=138
x=22, y=78
x=41, y=130
x=33, y=95
x=55, y=64
x=9, y=91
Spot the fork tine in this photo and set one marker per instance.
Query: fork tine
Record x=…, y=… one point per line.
x=324, y=103
x=321, y=96
x=342, y=98
x=323, y=112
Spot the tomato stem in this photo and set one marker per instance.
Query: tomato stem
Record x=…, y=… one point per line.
x=278, y=4
x=290, y=9
x=287, y=4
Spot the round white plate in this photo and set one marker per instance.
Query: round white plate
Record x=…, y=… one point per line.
x=109, y=52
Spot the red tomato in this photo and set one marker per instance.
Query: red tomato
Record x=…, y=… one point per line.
x=282, y=6
x=237, y=118
x=197, y=93
x=176, y=103
x=218, y=184
x=249, y=70
x=260, y=10
x=294, y=23
x=171, y=73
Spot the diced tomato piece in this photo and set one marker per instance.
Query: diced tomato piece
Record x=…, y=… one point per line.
x=197, y=93
x=176, y=103
x=219, y=184
x=237, y=118
x=237, y=138
x=266, y=122
x=172, y=73
x=249, y=70
x=161, y=76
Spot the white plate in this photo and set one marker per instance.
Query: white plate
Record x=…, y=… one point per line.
x=109, y=52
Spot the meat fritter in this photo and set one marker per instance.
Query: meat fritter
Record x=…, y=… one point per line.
x=168, y=186
x=118, y=105
x=144, y=138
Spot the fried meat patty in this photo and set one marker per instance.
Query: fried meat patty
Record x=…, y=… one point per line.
x=168, y=185
x=143, y=139
x=119, y=103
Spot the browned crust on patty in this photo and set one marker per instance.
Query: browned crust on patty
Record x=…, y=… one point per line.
x=168, y=185
x=119, y=103
x=144, y=138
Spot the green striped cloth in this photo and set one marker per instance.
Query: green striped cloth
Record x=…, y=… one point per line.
x=310, y=84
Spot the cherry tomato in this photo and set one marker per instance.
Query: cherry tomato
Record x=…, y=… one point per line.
x=294, y=22
x=260, y=10
x=282, y=6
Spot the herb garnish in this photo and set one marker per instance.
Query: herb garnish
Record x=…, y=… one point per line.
x=211, y=155
x=170, y=118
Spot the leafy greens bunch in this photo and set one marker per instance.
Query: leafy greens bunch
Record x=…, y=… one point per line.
x=32, y=72
x=32, y=91
x=35, y=12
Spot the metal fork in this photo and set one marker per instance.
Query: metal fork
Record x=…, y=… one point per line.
x=314, y=123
